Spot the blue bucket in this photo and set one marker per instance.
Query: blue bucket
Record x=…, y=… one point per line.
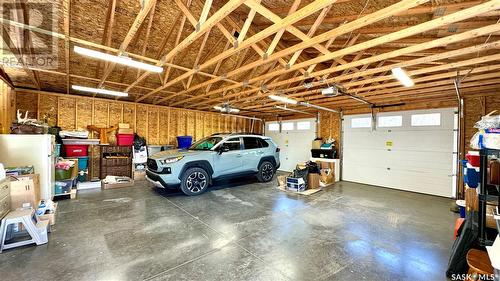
x=461, y=207
x=83, y=163
x=184, y=142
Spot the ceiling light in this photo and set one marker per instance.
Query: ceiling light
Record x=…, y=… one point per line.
x=282, y=99
x=330, y=91
x=118, y=59
x=292, y=110
x=401, y=75
x=225, y=108
x=99, y=91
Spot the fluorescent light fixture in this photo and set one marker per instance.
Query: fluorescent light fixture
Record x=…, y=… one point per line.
x=226, y=109
x=282, y=99
x=401, y=75
x=292, y=110
x=317, y=107
x=99, y=91
x=117, y=59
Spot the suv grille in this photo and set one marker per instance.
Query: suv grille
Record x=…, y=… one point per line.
x=152, y=165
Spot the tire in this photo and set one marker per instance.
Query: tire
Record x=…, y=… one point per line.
x=266, y=171
x=194, y=181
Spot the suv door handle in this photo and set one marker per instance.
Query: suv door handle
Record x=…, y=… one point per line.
x=238, y=155
x=260, y=152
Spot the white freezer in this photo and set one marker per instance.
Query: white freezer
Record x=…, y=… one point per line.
x=31, y=150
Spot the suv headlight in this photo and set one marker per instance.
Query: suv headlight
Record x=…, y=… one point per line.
x=171, y=160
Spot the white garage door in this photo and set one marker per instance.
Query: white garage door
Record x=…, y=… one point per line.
x=294, y=140
x=410, y=150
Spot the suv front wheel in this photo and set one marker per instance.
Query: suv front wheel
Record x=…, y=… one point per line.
x=194, y=181
x=266, y=171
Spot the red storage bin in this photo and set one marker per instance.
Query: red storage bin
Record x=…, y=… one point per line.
x=473, y=159
x=73, y=150
x=125, y=139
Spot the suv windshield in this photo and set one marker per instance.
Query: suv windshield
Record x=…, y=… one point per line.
x=206, y=143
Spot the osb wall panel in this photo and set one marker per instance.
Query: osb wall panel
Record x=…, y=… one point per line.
x=115, y=114
x=129, y=115
x=153, y=130
x=47, y=109
x=7, y=107
x=67, y=109
x=29, y=103
x=142, y=121
x=158, y=124
x=330, y=126
x=474, y=109
x=83, y=113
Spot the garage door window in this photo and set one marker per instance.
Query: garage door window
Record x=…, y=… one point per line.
x=287, y=126
x=365, y=122
x=303, y=125
x=430, y=119
x=273, y=127
x=390, y=121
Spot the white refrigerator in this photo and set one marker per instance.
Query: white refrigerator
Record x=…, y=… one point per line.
x=31, y=150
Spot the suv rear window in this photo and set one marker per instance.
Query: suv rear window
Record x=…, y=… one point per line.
x=251, y=143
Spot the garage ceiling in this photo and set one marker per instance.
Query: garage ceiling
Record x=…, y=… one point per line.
x=238, y=51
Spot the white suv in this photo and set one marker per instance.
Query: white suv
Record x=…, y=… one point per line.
x=217, y=156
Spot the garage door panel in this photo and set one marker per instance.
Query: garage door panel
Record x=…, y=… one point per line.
x=418, y=159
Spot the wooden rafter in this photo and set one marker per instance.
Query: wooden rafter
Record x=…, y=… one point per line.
x=139, y=19
x=458, y=16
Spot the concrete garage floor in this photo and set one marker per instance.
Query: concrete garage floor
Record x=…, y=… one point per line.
x=246, y=232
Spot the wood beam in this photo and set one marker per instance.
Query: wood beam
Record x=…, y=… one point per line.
x=458, y=16
x=139, y=19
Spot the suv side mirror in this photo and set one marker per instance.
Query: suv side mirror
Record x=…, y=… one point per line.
x=222, y=148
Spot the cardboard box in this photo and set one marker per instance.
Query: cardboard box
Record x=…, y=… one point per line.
x=139, y=175
x=50, y=217
x=36, y=181
x=105, y=185
x=316, y=144
x=323, y=165
x=123, y=126
x=327, y=178
x=22, y=194
x=126, y=131
x=313, y=181
x=282, y=181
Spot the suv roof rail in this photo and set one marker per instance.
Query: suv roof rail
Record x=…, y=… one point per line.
x=237, y=133
x=246, y=133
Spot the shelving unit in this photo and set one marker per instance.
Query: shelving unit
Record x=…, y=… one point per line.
x=487, y=194
x=115, y=161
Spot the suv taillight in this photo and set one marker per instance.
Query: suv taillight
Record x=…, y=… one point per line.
x=277, y=149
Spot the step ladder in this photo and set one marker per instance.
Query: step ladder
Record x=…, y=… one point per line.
x=36, y=229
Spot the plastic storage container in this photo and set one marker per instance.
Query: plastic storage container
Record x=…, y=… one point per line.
x=83, y=163
x=75, y=150
x=184, y=142
x=63, y=186
x=461, y=207
x=57, y=150
x=61, y=174
x=473, y=159
x=124, y=139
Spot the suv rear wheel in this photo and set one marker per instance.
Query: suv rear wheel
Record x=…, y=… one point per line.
x=266, y=171
x=194, y=181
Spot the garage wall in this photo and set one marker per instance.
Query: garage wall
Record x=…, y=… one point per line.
x=474, y=109
x=7, y=107
x=158, y=124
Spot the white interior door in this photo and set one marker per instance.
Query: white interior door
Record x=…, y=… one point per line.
x=294, y=140
x=410, y=150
